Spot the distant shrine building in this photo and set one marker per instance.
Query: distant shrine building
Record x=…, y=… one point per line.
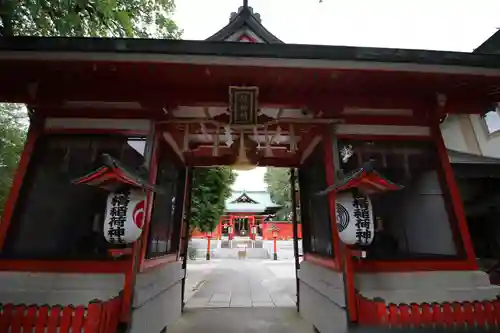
x=250, y=215
x=94, y=235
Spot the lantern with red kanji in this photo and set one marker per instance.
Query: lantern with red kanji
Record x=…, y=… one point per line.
x=354, y=210
x=125, y=207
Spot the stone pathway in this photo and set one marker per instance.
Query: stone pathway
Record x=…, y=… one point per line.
x=244, y=283
x=242, y=320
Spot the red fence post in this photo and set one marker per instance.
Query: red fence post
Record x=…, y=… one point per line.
x=78, y=319
x=468, y=314
x=426, y=315
x=5, y=317
x=404, y=314
x=41, y=320
x=54, y=319
x=496, y=307
x=17, y=319
x=394, y=317
x=67, y=316
x=448, y=314
x=416, y=314
x=30, y=319
x=380, y=311
x=92, y=319
x=437, y=314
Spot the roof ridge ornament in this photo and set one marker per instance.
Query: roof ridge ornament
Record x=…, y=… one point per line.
x=247, y=8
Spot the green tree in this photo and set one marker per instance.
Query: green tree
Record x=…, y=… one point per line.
x=278, y=185
x=13, y=125
x=93, y=18
x=211, y=188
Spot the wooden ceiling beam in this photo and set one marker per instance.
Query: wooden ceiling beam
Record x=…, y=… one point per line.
x=209, y=161
x=57, y=93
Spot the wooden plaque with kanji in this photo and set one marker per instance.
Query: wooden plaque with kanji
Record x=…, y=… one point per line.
x=243, y=105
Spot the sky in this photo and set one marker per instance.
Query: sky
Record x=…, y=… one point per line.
x=452, y=25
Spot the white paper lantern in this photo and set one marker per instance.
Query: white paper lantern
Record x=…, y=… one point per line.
x=124, y=217
x=355, y=220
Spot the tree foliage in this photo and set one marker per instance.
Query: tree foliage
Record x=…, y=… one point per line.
x=278, y=185
x=211, y=188
x=93, y=18
x=13, y=125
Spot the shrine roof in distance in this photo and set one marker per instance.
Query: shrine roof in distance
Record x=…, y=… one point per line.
x=255, y=202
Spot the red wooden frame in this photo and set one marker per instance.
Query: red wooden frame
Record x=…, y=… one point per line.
x=382, y=137
x=303, y=85
x=187, y=191
x=456, y=200
x=145, y=263
x=153, y=171
x=152, y=263
x=330, y=180
x=424, y=264
x=65, y=266
x=329, y=263
x=32, y=137
x=95, y=131
x=342, y=253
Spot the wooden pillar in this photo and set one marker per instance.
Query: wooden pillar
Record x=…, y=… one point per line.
x=343, y=256
x=33, y=134
x=251, y=225
x=456, y=200
x=231, y=227
x=295, y=234
x=187, y=216
x=209, y=238
x=218, y=233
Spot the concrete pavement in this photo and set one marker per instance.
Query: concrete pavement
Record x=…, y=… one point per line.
x=229, y=283
x=240, y=296
x=195, y=276
x=241, y=320
x=249, y=296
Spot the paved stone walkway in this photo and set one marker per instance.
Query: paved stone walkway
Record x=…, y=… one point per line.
x=249, y=320
x=242, y=283
x=246, y=297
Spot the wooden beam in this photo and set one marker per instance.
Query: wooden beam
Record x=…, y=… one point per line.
x=329, y=102
x=310, y=148
x=173, y=144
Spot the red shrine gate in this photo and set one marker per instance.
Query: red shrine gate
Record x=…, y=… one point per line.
x=117, y=124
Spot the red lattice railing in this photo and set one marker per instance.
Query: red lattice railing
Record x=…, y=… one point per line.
x=96, y=317
x=455, y=314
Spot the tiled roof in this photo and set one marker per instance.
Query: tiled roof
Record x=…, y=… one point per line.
x=262, y=199
x=245, y=22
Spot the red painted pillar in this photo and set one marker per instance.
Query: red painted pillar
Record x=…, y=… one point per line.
x=275, y=256
x=231, y=227
x=456, y=200
x=343, y=256
x=208, y=245
x=251, y=227
x=218, y=234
